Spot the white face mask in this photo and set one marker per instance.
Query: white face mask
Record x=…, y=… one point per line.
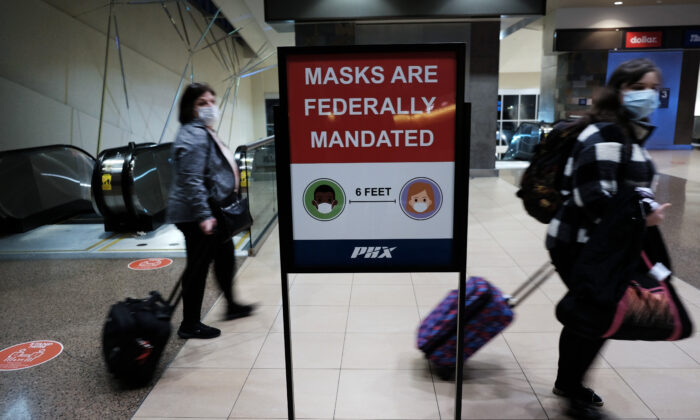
x=420, y=207
x=208, y=114
x=641, y=103
x=324, y=208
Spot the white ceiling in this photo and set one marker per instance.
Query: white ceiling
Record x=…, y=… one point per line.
x=250, y=17
x=558, y=4
x=521, y=52
x=275, y=38
x=284, y=39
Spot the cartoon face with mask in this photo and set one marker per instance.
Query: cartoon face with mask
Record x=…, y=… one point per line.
x=421, y=198
x=420, y=202
x=324, y=199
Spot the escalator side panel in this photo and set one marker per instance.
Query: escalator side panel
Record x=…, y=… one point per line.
x=152, y=176
x=43, y=185
x=140, y=177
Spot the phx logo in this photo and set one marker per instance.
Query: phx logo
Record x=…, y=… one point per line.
x=372, y=252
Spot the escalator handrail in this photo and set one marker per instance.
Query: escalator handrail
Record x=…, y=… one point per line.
x=255, y=145
x=98, y=199
x=146, y=146
x=127, y=182
x=39, y=148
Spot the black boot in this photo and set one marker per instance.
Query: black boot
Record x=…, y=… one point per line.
x=236, y=311
x=197, y=330
x=580, y=393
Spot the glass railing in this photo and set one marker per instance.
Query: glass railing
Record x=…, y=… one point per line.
x=259, y=182
x=43, y=185
x=152, y=178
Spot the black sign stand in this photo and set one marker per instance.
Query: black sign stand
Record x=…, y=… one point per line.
x=286, y=321
x=284, y=195
x=460, y=238
x=461, y=188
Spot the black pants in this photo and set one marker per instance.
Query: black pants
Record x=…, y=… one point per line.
x=201, y=250
x=576, y=352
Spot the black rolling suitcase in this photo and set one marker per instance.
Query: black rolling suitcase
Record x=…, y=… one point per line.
x=135, y=334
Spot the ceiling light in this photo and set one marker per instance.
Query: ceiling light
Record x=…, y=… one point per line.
x=617, y=3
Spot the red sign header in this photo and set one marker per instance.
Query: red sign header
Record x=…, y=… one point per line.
x=372, y=107
x=643, y=39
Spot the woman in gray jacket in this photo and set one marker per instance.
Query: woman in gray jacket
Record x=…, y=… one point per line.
x=203, y=168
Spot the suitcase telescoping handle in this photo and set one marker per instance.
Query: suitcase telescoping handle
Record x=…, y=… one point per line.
x=175, y=296
x=531, y=284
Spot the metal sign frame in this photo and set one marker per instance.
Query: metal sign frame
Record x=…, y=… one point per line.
x=460, y=201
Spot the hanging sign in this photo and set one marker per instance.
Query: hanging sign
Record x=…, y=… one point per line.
x=643, y=39
x=29, y=354
x=692, y=38
x=372, y=153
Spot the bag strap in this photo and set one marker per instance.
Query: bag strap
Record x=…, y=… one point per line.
x=625, y=159
x=647, y=261
x=233, y=195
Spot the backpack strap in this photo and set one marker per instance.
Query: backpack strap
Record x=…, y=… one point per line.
x=625, y=159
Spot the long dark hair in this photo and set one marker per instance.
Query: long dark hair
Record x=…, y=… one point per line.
x=193, y=91
x=607, y=105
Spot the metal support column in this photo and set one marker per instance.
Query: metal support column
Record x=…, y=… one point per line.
x=104, y=81
x=184, y=73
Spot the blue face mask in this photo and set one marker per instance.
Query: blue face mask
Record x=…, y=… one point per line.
x=641, y=103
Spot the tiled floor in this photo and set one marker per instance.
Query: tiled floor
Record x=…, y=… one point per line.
x=355, y=357
x=679, y=163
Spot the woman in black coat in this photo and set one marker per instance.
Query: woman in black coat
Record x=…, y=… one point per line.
x=609, y=153
x=203, y=168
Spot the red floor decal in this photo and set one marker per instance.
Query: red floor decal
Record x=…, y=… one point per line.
x=30, y=354
x=150, y=263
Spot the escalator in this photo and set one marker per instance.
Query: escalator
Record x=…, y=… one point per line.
x=126, y=187
x=131, y=185
x=43, y=185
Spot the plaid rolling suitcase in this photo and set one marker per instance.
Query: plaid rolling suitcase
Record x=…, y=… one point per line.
x=487, y=313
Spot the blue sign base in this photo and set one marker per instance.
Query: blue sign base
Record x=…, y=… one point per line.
x=373, y=253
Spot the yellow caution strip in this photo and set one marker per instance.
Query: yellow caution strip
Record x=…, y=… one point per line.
x=112, y=243
x=240, y=242
x=100, y=242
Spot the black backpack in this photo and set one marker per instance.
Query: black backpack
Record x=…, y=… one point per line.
x=541, y=183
